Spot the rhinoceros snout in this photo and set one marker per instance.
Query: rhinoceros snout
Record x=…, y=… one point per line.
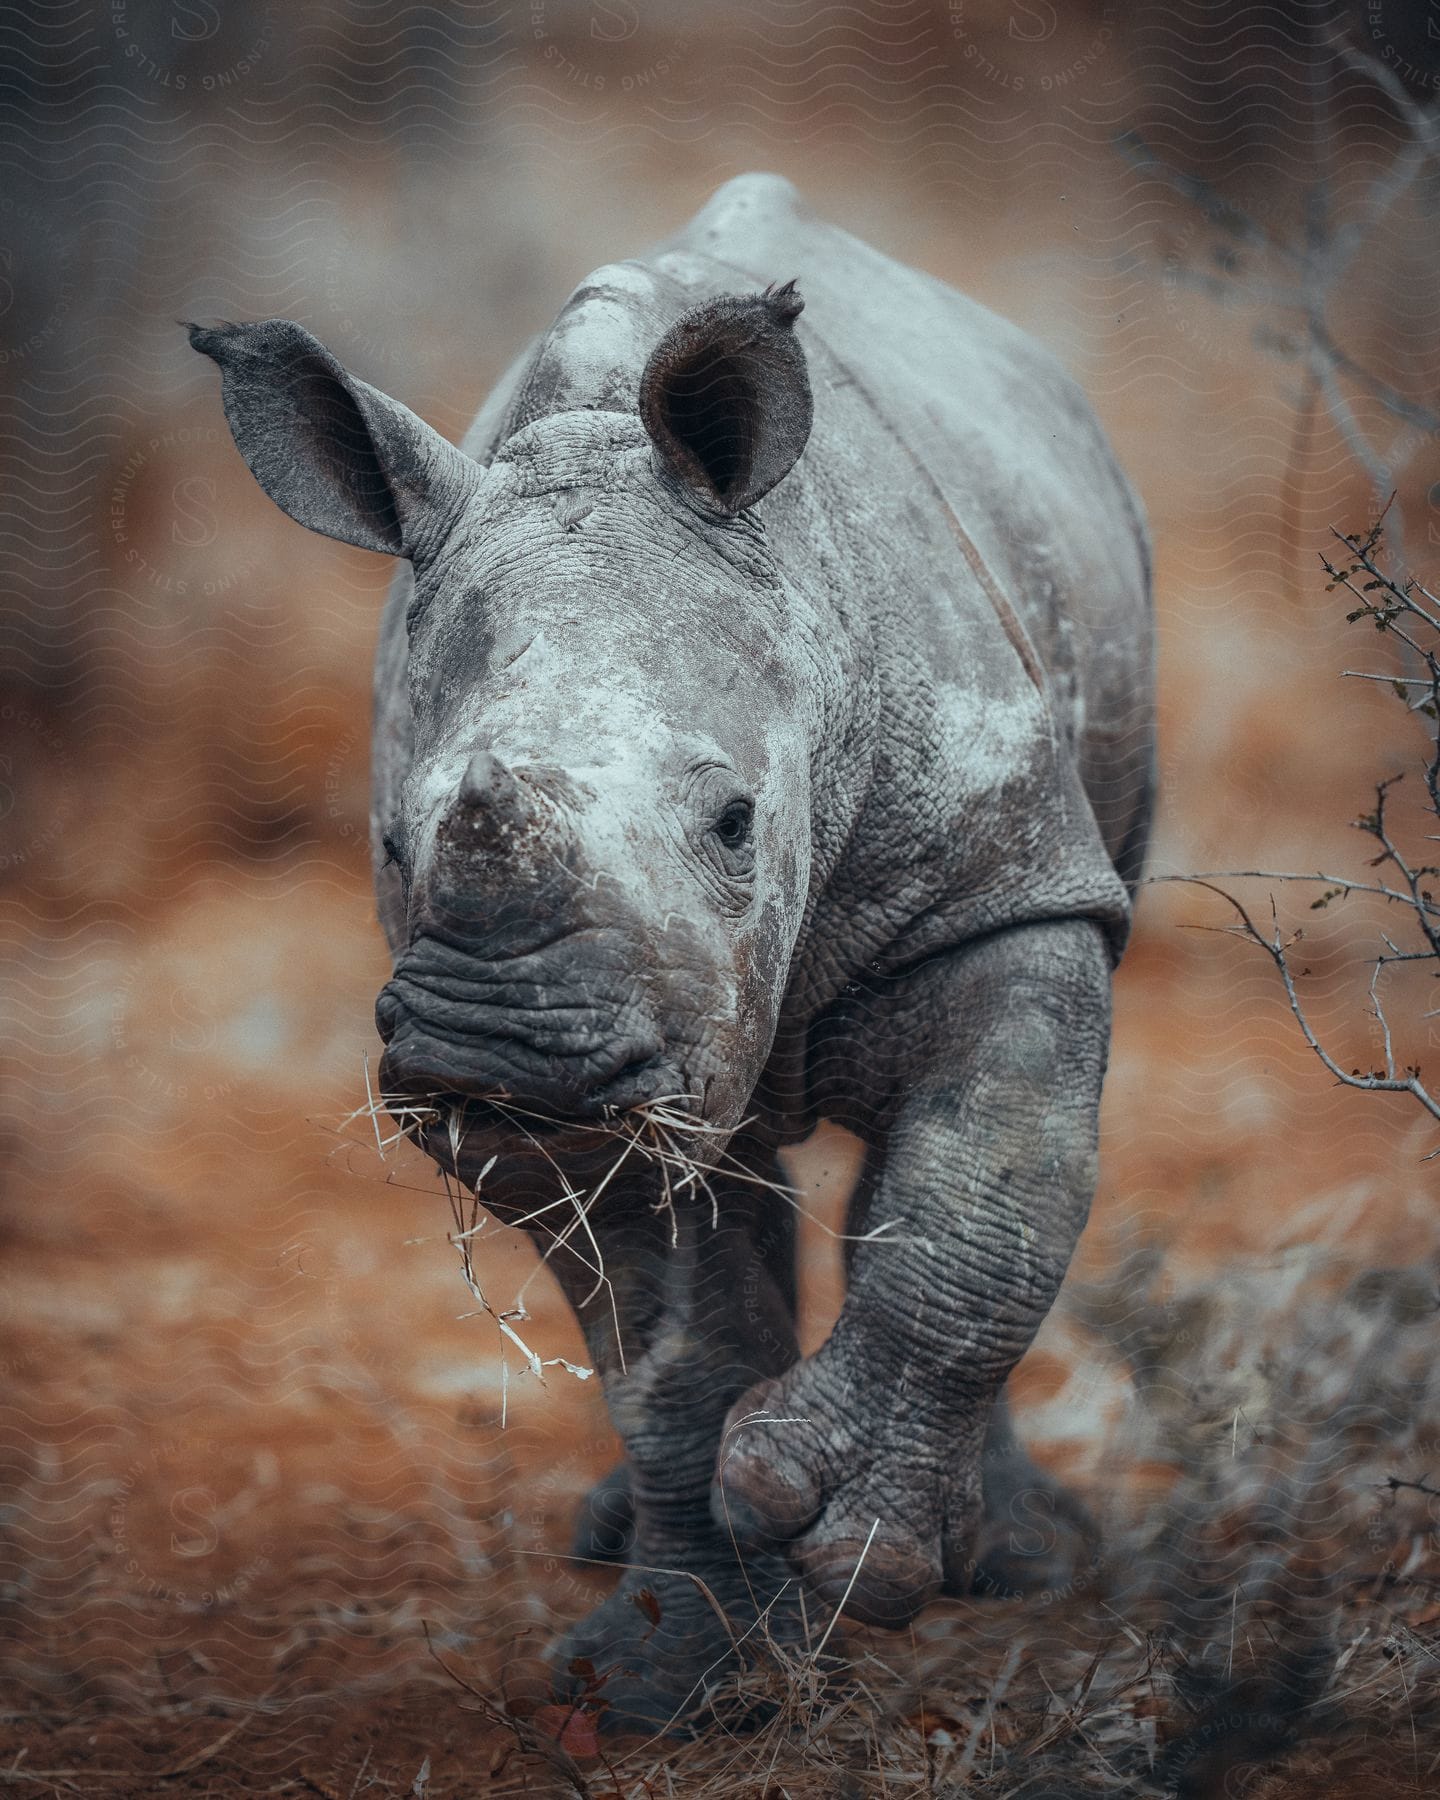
x=423, y=1064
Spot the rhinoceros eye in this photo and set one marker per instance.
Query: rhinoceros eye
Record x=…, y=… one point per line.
x=733, y=826
x=393, y=846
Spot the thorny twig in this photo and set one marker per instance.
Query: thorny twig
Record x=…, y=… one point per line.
x=1419, y=1485
x=1411, y=613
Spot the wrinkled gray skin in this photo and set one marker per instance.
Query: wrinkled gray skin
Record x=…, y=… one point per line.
x=800, y=769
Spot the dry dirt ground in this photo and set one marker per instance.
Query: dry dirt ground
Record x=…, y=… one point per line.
x=278, y=1513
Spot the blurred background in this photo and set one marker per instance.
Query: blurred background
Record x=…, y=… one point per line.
x=252, y=1440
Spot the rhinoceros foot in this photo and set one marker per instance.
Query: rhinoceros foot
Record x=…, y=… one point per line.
x=881, y=1517
x=871, y=1511
x=657, y=1655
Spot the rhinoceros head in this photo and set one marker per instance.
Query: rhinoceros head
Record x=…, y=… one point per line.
x=604, y=832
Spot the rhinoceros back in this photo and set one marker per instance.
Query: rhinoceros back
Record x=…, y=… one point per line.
x=1008, y=446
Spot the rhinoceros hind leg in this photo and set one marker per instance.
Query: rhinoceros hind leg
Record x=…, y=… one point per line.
x=605, y=1523
x=1035, y=1537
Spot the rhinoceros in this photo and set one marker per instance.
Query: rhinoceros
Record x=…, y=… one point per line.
x=762, y=737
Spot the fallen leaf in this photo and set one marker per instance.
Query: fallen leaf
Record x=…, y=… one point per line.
x=572, y=1727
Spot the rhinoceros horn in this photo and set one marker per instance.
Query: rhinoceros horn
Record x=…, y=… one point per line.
x=490, y=804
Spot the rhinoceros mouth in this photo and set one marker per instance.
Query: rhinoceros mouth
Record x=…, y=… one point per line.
x=517, y=1152
x=464, y=1136
x=489, y=1079
x=468, y=1103
x=446, y=1115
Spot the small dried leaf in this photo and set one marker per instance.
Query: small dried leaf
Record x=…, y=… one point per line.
x=572, y=1727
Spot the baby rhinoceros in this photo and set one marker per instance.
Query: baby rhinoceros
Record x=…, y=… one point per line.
x=762, y=737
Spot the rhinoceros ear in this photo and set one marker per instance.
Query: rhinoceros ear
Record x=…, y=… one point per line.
x=726, y=399
x=337, y=455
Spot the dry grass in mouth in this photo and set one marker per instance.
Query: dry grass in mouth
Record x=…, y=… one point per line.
x=689, y=1153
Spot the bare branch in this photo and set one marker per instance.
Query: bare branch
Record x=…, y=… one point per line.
x=1401, y=610
x=1276, y=949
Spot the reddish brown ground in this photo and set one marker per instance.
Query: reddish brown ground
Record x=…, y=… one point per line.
x=252, y=1444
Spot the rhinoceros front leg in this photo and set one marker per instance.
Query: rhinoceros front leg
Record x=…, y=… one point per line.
x=692, y=1314
x=869, y=1454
